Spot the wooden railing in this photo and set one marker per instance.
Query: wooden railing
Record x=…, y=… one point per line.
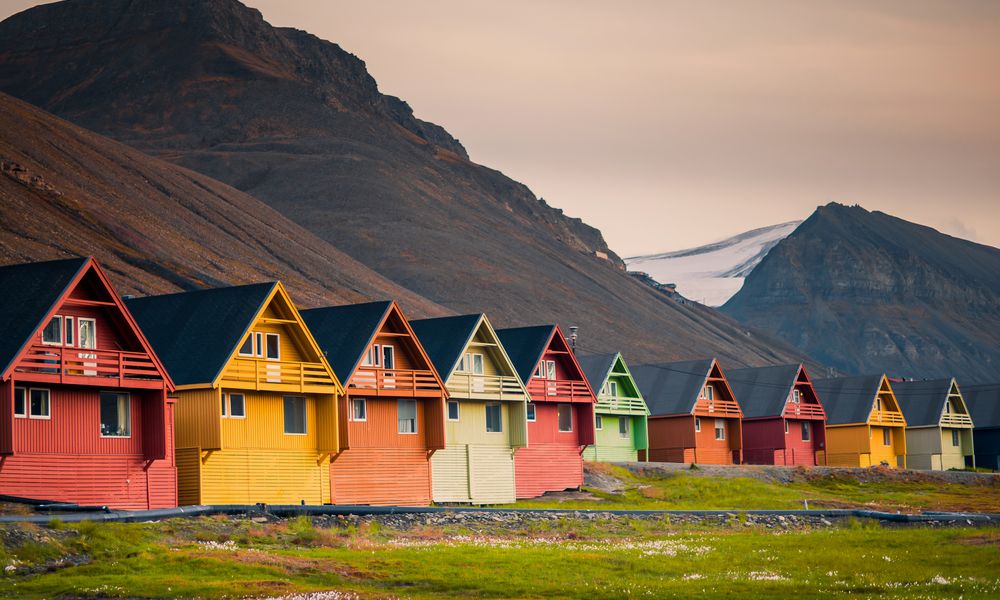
x=57, y=363
x=621, y=403
x=258, y=373
x=887, y=417
x=956, y=420
x=479, y=386
x=394, y=381
x=541, y=389
x=805, y=410
x=717, y=408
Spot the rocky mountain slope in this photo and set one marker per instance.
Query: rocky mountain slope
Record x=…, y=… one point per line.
x=299, y=123
x=154, y=226
x=867, y=292
x=712, y=273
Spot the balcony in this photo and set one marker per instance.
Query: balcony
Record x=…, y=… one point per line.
x=956, y=420
x=81, y=366
x=803, y=410
x=717, y=408
x=886, y=417
x=278, y=376
x=556, y=390
x=621, y=404
x=395, y=382
x=484, y=387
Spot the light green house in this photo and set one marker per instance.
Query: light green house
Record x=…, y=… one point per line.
x=938, y=425
x=620, y=413
x=486, y=416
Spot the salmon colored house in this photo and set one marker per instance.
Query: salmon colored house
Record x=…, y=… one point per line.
x=84, y=413
x=392, y=417
x=864, y=425
x=783, y=419
x=693, y=413
x=487, y=406
x=560, y=413
x=256, y=409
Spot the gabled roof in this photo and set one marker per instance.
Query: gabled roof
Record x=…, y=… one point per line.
x=196, y=333
x=672, y=388
x=525, y=346
x=29, y=293
x=983, y=403
x=922, y=402
x=446, y=338
x=597, y=368
x=345, y=332
x=848, y=400
x=763, y=391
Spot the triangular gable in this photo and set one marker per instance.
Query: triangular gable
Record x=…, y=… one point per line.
x=525, y=346
x=90, y=274
x=557, y=343
x=716, y=375
x=620, y=368
x=955, y=394
x=885, y=392
x=446, y=339
x=484, y=332
x=802, y=379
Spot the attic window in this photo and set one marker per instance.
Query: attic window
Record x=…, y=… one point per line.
x=613, y=389
x=52, y=334
x=540, y=370
x=247, y=348
x=372, y=358
x=796, y=396
x=273, y=347
x=708, y=392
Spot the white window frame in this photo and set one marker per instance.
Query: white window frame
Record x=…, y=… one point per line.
x=531, y=412
x=24, y=403
x=708, y=392
x=482, y=363
x=225, y=405
x=258, y=340
x=599, y=422
x=697, y=424
x=559, y=409
x=486, y=413
x=613, y=389
x=878, y=403
x=229, y=402
x=128, y=403
x=373, y=358
x=720, y=430
x=806, y=431
x=400, y=420
x=305, y=415
x=458, y=410
x=250, y=338
x=69, y=333
x=623, y=422
x=62, y=327
x=388, y=356
x=48, y=404
x=267, y=337
x=540, y=370
x=786, y=426
x=363, y=403
x=796, y=396
x=550, y=366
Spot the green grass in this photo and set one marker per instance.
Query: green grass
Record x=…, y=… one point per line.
x=568, y=558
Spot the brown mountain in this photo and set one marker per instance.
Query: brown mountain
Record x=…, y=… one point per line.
x=155, y=226
x=867, y=292
x=300, y=124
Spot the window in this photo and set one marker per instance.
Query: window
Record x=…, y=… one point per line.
x=295, y=415
x=530, y=410
x=225, y=402
x=565, y=417
x=550, y=367
x=697, y=424
x=796, y=396
x=52, y=334
x=69, y=331
x=247, y=348
x=878, y=403
x=886, y=437
x=388, y=357
x=494, y=418
x=39, y=404
x=708, y=392
x=954, y=437
x=786, y=427
x=613, y=389
x=806, y=431
x=273, y=350
x=453, y=410
x=540, y=370
x=599, y=422
x=258, y=340
x=471, y=363
x=373, y=357
x=20, y=402
x=407, y=415
x=237, y=406
x=720, y=429
x=623, y=427
x=88, y=333
x=116, y=419
x=947, y=407
x=359, y=409
x=478, y=366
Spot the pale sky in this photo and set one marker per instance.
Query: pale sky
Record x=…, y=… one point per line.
x=672, y=124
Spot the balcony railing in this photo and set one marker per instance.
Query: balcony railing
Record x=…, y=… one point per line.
x=395, y=381
x=253, y=373
x=887, y=417
x=621, y=404
x=717, y=408
x=804, y=410
x=466, y=385
x=84, y=366
x=956, y=420
x=558, y=389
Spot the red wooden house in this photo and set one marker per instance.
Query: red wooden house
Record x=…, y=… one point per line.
x=392, y=416
x=693, y=413
x=84, y=413
x=560, y=411
x=783, y=418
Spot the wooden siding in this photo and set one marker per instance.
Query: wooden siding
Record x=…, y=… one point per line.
x=930, y=448
x=198, y=415
x=382, y=476
x=610, y=446
x=272, y=476
x=861, y=446
x=766, y=443
x=188, y=476
x=674, y=439
x=264, y=425
x=478, y=474
x=547, y=467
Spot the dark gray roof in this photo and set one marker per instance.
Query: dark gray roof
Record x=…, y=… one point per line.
x=596, y=368
x=345, y=332
x=763, y=391
x=196, y=333
x=27, y=293
x=922, y=402
x=672, y=388
x=525, y=346
x=983, y=402
x=445, y=339
x=848, y=399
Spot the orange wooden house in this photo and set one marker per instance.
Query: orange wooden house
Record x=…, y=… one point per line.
x=694, y=416
x=392, y=416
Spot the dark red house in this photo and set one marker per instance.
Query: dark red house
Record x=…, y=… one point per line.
x=560, y=410
x=84, y=413
x=783, y=418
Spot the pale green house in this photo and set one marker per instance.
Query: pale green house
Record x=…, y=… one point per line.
x=938, y=425
x=486, y=412
x=620, y=413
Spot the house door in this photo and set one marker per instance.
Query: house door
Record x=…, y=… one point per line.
x=272, y=353
x=478, y=370
x=550, y=374
x=389, y=364
x=87, y=339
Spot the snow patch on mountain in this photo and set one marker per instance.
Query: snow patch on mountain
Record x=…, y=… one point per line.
x=712, y=273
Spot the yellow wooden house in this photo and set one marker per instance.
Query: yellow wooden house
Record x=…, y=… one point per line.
x=864, y=424
x=256, y=418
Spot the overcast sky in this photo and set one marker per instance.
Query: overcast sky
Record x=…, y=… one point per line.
x=672, y=124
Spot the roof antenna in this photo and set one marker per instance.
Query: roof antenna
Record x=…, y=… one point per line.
x=572, y=337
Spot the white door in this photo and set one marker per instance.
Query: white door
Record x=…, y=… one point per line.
x=389, y=364
x=478, y=370
x=550, y=374
x=87, y=338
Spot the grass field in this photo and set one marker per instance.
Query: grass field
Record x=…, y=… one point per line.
x=222, y=558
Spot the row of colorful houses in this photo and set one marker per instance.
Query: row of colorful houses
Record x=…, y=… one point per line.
x=233, y=396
